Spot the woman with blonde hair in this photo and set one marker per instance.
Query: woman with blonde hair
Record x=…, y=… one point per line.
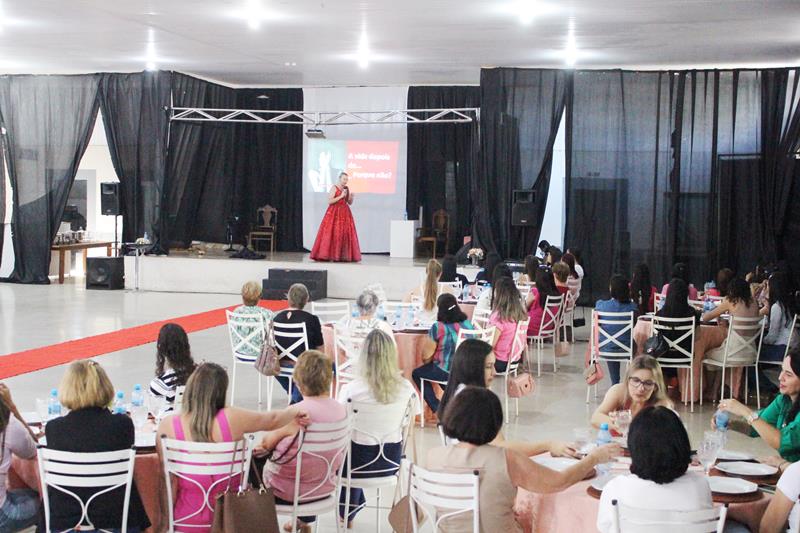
x=90, y=427
x=251, y=295
x=205, y=418
x=507, y=313
x=379, y=382
x=642, y=387
x=428, y=292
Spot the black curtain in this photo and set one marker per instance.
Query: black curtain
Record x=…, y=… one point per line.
x=441, y=159
x=520, y=113
x=135, y=110
x=269, y=164
x=48, y=122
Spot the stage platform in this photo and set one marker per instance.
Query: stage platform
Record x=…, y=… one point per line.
x=215, y=272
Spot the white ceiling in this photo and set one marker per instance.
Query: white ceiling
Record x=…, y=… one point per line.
x=409, y=41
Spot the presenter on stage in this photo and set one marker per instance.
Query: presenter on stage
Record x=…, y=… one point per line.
x=336, y=238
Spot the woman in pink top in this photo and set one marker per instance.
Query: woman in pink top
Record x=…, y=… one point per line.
x=204, y=418
x=680, y=271
x=545, y=286
x=507, y=313
x=313, y=374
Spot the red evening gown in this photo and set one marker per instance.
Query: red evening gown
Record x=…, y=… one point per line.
x=336, y=238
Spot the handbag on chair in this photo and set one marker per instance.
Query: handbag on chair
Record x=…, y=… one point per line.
x=520, y=385
x=268, y=362
x=656, y=346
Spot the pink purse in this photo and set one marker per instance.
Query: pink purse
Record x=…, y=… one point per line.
x=520, y=385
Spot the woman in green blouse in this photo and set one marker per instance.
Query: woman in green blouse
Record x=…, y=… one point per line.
x=778, y=423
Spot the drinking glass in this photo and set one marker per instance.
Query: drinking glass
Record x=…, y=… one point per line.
x=139, y=416
x=581, y=438
x=623, y=422
x=41, y=410
x=707, y=454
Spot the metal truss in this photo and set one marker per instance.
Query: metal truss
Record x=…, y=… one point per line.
x=325, y=118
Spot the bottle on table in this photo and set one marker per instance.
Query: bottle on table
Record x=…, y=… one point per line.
x=137, y=398
x=721, y=420
x=398, y=316
x=119, y=404
x=603, y=438
x=381, y=312
x=53, y=405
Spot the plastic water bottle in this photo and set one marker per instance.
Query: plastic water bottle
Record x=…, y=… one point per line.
x=146, y=237
x=381, y=312
x=119, y=404
x=464, y=293
x=405, y=215
x=53, y=405
x=603, y=438
x=708, y=305
x=137, y=398
x=398, y=316
x=721, y=419
x=354, y=313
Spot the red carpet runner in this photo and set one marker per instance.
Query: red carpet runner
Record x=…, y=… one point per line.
x=57, y=354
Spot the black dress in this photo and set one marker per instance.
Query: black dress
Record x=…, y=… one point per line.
x=93, y=429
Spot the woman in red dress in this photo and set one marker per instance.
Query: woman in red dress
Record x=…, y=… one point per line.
x=337, y=239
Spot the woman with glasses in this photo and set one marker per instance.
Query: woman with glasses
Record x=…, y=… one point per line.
x=642, y=387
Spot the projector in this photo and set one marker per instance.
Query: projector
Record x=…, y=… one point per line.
x=313, y=133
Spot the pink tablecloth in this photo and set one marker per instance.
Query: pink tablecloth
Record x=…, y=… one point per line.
x=573, y=510
x=146, y=474
x=705, y=339
x=409, y=356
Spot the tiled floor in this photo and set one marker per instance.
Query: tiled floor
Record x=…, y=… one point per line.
x=35, y=316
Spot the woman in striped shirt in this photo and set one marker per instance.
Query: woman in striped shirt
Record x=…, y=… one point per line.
x=174, y=362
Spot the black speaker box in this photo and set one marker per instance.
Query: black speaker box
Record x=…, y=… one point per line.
x=106, y=273
x=523, y=208
x=109, y=198
x=277, y=284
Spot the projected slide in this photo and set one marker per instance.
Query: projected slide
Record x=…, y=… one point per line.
x=372, y=165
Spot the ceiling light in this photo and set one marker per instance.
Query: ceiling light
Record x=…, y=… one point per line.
x=254, y=14
x=363, y=50
x=150, y=52
x=151, y=65
x=571, y=50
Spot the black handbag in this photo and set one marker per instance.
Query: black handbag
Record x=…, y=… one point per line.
x=656, y=346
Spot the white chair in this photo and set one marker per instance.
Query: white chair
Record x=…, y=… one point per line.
x=697, y=304
x=625, y=519
x=451, y=287
x=551, y=319
x=288, y=338
x=442, y=496
x=378, y=424
x=682, y=331
x=568, y=317
x=186, y=460
x=740, y=350
x=601, y=342
x=794, y=339
x=104, y=471
x=330, y=312
x=486, y=335
x=480, y=318
x=518, y=348
x=247, y=333
x=326, y=444
x=347, y=351
x=524, y=291
x=716, y=299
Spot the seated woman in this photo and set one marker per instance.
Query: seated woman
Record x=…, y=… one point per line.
x=485, y=275
x=643, y=292
x=251, y=294
x=642, y=387
x=739, y=302
x=537, y=299
x=783, y=507
x=553, y=256
x=174, y=363
x=379, y=382
x=781, y=309
x=439, y=346
x=298, y=298
x=561, y=277
x=314, y=374
x=473, y=365
x=486, y=298
x=660, y=458
x=679, y=270
x=620, y=302
x=90, y=427
x=576, y=253
x=719, y=287
x=450, y=273
x=359, y=326
x=507, y=313
x=205, y=418
x=531, y=264
x=777, y=423
x=474, y=418
x=427, y=293
x=19, y=508
x=574, y=282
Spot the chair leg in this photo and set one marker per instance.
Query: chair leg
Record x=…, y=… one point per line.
x=505, y=398
x=701, y=384
x=422, y=404
x=722, y=385
x=259, y=391
x=691, y=388
x=270, y=384
x=758, y=391
x=233, y=382
x=746, y=384
x=378, y=510
x=289, y=394
x=538, y=359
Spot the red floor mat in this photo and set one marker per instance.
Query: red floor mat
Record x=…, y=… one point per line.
x=26, y=361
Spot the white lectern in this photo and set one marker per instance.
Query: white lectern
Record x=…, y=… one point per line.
x=402, y=238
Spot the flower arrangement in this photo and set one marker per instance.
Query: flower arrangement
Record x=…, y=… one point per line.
x=476, y=253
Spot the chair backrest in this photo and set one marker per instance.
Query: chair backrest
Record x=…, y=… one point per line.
x=569, y=302
x=519, y=344
x=794, y=338
x=574, y=286
x=325, y=442
x=443, y=495
x=441, y=221
x=379, y=424
x=267, y=217
x=744, y=339
x=451, y=287
x=551, y=317
x=486, y=335
x=290, y=338
x=676, y=331
x=178, y=403
x=480, y=317
x=191, y=462
x=104, y=471
x=697, y=304
x=524, y=291
x=716, y=299
x=606, y=340
x=329, y=312
x=347, y=352
x=246, y=332
x=627, y=519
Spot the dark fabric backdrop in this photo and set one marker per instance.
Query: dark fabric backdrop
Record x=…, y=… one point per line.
x=441, y=160
x=520, y=113
x=48, y=122
x=135, y=108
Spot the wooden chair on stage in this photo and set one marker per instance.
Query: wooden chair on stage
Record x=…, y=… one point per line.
x=438, y=232
x=266, y=228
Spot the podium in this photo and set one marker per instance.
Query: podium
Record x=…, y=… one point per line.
x=402, y=238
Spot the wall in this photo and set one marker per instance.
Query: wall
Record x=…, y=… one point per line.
x=555, y=213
